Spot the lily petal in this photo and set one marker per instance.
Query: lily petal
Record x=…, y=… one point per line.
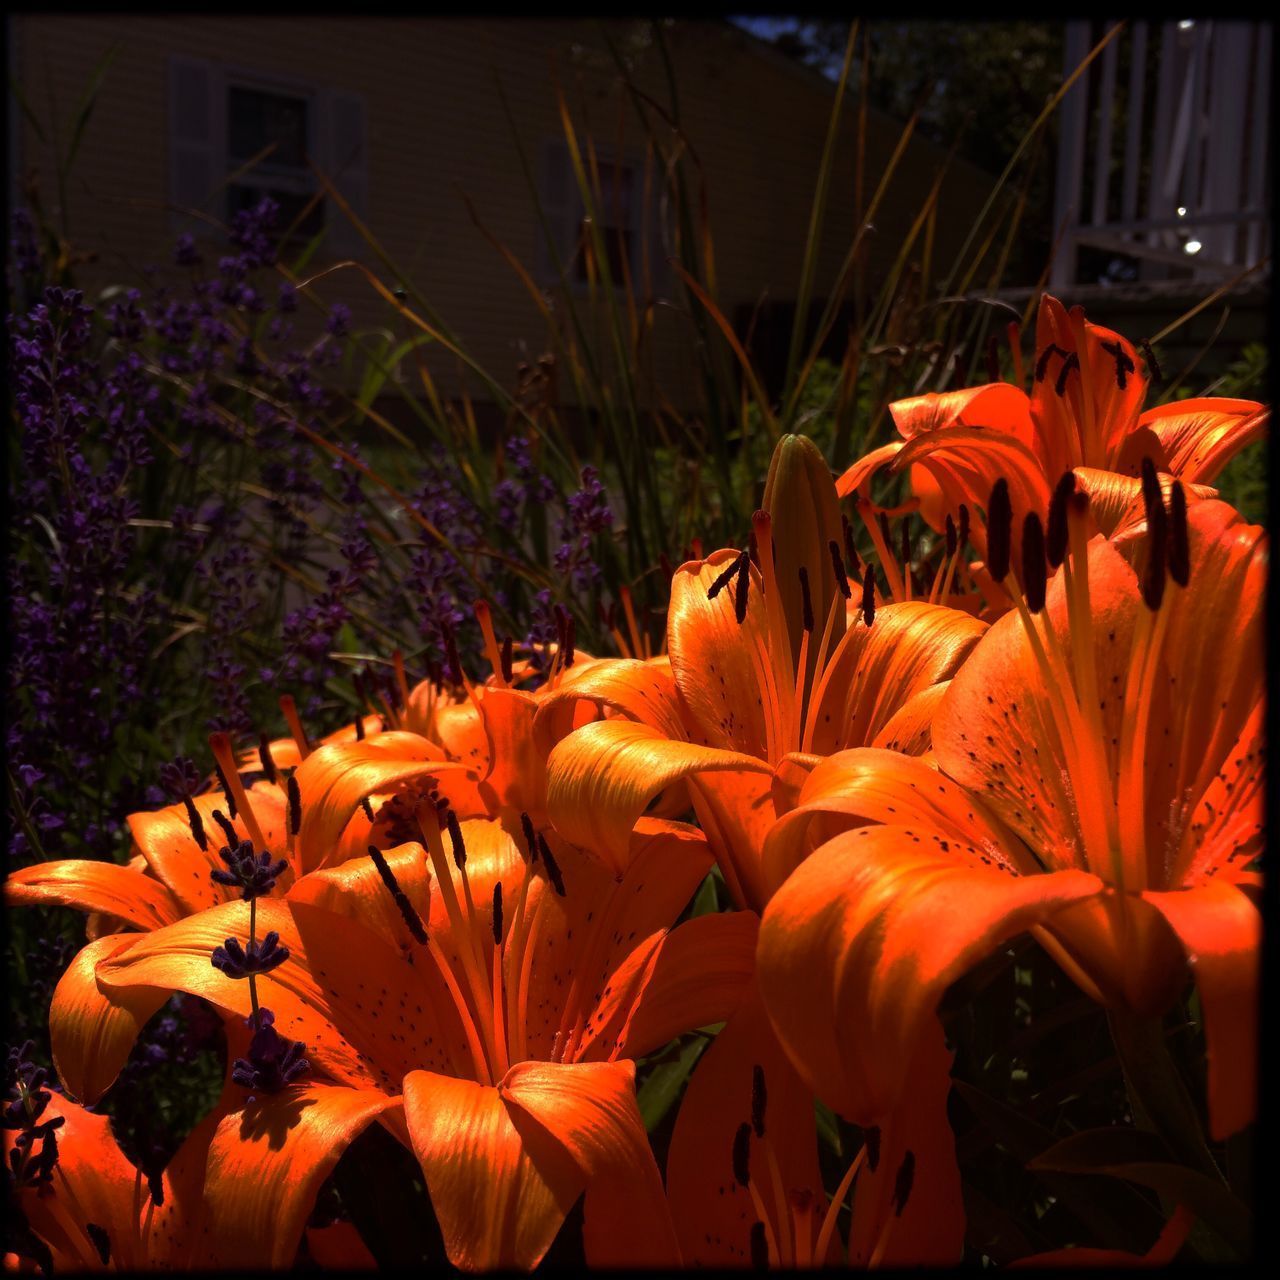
x=712, y=1212
x=601, y=778
x=165, y=840
x=642, y=691
x=697, y=976
x=717, y=662
x=1201, y=435
x=499, y=1198
x=366, y=1017
x=91, y=1034
x=1222, y=933
x=872, y=785
x=590, y=1109
x=266, y=1163
x=89, y=885
x=859, y=945
x=878, y=669
x=333, y=780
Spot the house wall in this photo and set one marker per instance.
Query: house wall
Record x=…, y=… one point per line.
x=436, y=128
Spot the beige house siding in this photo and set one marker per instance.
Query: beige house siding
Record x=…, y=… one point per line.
x=435, y=127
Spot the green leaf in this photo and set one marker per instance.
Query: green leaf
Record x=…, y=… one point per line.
x=1143, y=1158
x=665, y=1082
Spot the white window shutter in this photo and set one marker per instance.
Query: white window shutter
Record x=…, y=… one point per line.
x=195, y=131
x=561, y=207
x=343, y=156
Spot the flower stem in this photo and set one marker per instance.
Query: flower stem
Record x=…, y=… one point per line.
x=253, y=981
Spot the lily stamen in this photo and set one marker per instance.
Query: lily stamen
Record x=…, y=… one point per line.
x=289, y=708
x=222, y=753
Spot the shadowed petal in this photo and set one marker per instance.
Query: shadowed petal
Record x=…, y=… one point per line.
x=266, y=1163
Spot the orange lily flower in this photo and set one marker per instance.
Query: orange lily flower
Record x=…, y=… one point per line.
x=170, y=878
x=758, y=690
x=511, y=1080
x=1084, y=411
x=236, y=1194
x=771, y=668
x=1099, y=783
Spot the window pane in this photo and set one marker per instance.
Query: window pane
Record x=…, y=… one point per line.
x=255, y=119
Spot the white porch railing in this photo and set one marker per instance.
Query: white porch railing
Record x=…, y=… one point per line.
x=1181, y=183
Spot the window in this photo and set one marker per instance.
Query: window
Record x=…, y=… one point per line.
x=622, y=225
x=222, y=119
x=279, y=124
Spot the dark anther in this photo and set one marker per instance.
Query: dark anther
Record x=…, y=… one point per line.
x=155, y=1185
x=197, y=826
x=226, y=788
x=359, y=727
x=806, y=601
x=506, y=659
x=1157, y=549
x=1033, y=563
x=530, y=837
x=851, y=552
x=101, y=1241
x=252, y=874
x=1124, y=366
x=872, y=1137
x=902, y=1183
x=295, y=805
x=884, y=530
x=759, y=1099
x=259, y=957
x=1042, y=362
x=742, y=1155
x=962, y=529
x=741, y=587
x=1151, y=495
x=273, y=1062
x=999, y=530
x=837, y=565
x=951, y=537
x=1057, y=533
x=1179, y=541
x=553, y=867
x=869, y=596
x=455, y=839
x=993, y=358
x=906, y=542
x=1154, y=371
x=264, y=754
x=570, y=630
x=722, y=580
x=411, y=917
x=1071, y=362
x=497, y=914
x=759, y=1247
x=227, y=829
x=367, y=807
